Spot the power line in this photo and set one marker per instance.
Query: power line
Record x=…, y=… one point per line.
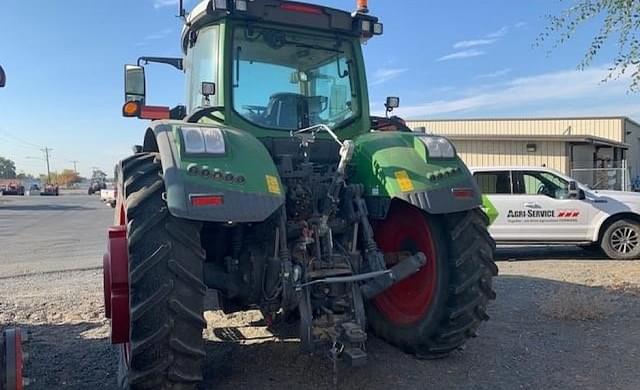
x=31, y=145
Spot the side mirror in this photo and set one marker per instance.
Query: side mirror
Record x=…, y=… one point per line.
x=3, y=78
x=575, y=192
x=134, y=84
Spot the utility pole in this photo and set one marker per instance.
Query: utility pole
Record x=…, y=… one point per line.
x=46, y=156
x=75, y=167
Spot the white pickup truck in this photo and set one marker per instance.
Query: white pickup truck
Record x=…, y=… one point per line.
x=537, y=205
x=108, y=196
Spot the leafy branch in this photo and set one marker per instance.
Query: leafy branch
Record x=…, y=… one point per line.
x=620, y=19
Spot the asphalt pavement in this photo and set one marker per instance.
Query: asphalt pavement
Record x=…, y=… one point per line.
x=51, y=233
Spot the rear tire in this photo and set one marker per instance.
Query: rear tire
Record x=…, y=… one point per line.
x=166, y=297
x=621, y=240
x=464, y=267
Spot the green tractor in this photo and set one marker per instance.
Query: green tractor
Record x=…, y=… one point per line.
x=275, y=188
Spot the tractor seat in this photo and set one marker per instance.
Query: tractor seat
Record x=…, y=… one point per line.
x=285, y=110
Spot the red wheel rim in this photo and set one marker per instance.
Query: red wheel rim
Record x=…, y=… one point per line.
x=406, y=229
x=121, y=219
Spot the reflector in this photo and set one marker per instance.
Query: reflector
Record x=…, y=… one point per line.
x=131, y=109
x=207, y=200
x=304, y=8
x=463, y=193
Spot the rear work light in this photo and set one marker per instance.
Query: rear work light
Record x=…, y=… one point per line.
x=207, y=200
x=302, y=8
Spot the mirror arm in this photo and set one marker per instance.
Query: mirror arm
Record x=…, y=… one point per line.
x=175, y=62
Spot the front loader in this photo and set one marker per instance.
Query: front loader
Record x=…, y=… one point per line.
x=274, y=186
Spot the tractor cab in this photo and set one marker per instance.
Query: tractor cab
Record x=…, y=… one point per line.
x=268, y=67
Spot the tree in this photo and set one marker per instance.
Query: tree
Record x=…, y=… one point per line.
x=25, y=176
x=67, y=177
x=7, y=168
x=621, y=20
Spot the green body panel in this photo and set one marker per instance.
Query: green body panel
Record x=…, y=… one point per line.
x=254, y=199
x=380, y=157
x=489, y=209
x=245, y=156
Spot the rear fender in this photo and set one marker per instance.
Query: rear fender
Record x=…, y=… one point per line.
x=396, y=165
x=253, y=199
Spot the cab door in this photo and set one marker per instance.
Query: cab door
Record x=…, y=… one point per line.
x=545, y=212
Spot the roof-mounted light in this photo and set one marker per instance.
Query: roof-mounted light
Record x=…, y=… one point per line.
x=378, y=28
x=241, y=5
x=220, y=4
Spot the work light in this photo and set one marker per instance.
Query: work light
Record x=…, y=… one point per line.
x=203, y=140
x=438, y=147
x=378, y=29
x=241, y=5
x=220, y=4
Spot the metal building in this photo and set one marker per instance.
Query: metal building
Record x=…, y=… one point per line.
x=603, y=152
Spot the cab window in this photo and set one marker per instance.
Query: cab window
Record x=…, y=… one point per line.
x=540, y=183
x=494, y=182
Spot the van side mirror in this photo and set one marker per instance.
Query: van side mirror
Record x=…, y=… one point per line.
x=134, y=84
x=3, y=78
x=575, y=192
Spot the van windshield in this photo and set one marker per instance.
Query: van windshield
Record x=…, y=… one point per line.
x=290, y=81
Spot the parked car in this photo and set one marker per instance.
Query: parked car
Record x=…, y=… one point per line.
x=108, y=197
x=50, y=190
x=537, y=205
x=13, y=189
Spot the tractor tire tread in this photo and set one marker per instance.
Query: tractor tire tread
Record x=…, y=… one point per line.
x=166, y=284
x=469, y=259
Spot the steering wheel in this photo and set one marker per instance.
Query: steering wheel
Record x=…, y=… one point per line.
x=203, y=112
x=543, y=190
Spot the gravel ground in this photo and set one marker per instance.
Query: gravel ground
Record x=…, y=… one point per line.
x=529, y=343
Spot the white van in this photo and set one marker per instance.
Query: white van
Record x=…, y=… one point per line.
x=537, y=205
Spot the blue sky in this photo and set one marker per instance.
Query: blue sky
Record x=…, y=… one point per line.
x=446, y=59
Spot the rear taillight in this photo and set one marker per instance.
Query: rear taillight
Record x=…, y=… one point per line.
x=463, y=193
x=207, y=200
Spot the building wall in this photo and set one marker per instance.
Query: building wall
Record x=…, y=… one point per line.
x=504, y=153
x=609, y=128
x=632, y=134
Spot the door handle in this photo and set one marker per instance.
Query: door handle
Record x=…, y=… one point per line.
x=532, y=205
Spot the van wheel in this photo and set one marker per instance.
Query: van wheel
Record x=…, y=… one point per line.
x=621, y=240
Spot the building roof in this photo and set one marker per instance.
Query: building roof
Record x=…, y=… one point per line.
x=626, y=118
x=578, y=139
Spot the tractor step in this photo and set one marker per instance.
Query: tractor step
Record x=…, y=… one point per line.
x=354, y=357
x=353, y=338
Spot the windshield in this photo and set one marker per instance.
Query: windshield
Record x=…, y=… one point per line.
x=289, y=81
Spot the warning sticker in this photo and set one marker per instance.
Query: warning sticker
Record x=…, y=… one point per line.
x=404, y=182
x=273, y=185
